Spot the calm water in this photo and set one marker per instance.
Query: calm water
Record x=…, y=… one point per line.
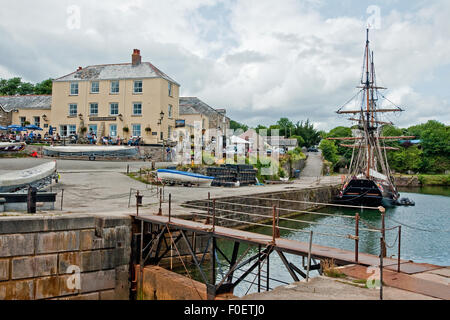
x=425, y=235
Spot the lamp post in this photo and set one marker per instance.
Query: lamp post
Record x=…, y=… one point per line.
x=161, y=134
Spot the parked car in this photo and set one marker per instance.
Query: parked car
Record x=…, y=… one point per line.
x=312, y=149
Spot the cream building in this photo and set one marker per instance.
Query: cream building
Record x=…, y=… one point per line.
x=109, y=99
x=27, y=109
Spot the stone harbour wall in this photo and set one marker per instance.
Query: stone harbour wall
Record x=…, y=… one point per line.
x=65, y=257
x=260, y=205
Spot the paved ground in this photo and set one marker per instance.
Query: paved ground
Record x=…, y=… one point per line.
x=313, y=166
x=102, y=187
x=324, y=288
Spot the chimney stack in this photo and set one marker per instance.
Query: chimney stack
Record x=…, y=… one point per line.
x=136, y=57
x=80, y=68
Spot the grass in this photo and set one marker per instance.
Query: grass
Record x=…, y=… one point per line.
x=434, y=179
x=14, y=155
x=330, y=270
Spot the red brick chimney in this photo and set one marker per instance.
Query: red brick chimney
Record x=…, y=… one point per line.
x=136, y=57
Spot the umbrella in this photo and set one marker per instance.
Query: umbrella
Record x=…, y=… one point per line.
x=3, y=128
x=16, y=127
x=33, y=127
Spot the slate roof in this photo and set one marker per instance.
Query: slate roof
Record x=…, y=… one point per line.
x=193, y=105
x=116, y=72
x=281, y=141
x=9, y=103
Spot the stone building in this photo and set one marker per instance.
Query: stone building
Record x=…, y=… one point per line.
x=27, y=109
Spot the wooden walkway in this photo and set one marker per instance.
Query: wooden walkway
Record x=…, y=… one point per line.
x=341, y=257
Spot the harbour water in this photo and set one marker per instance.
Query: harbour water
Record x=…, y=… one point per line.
x=425, y=234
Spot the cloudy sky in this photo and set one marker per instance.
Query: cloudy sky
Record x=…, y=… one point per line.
x=259, y=59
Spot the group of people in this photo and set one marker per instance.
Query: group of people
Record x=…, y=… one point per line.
x=28, y=137
x=107, y=140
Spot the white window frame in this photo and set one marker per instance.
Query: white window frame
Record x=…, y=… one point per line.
x=110, y=108
x=71, y=114
x=170, y=89
x=141, y=87
x=37, y=123
x=22, y=121
x=90, y=109
x=98, y=86
x=134, y=113
x=134, y=131
x=71, y=129
x=113, y=131
x=115, y=87
x=74, y=87
x=91, y=126
x=170, y=111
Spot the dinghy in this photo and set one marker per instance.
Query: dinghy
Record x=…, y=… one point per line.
x=183, y=177
x=20, y=179
x=90, y=151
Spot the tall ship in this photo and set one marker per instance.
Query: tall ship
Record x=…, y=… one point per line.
x=369, y=181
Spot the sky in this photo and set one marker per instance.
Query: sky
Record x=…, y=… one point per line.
x=259, y=59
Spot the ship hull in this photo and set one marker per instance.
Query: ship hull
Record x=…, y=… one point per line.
x=363, y=192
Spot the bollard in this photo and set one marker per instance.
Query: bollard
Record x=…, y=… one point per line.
x=31, y=200
x=160, y=203
x=62, y=198
x=356, y=236
x=138, y=202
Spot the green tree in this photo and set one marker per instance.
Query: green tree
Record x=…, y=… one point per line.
x=329, y=151
x=45, y=87
x=286, y=127
x=301, y=141
x=236, y=125
x=308, y=133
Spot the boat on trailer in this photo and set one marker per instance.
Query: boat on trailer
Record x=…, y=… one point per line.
x=11, y=146
x=90, y=151
x=37, y=177
x=183, y=177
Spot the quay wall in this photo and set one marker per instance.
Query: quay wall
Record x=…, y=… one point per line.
x=79, y=257
x=261, y=204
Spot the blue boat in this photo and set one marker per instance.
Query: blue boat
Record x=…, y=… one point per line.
x=183, y=177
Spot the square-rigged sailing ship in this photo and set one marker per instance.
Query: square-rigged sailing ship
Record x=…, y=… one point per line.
x=369, y=181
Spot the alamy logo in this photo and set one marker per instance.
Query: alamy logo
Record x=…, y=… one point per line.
x=74, y=17
x=74, y=281
x=374, y=20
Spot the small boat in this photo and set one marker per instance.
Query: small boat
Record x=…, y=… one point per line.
x=11, y=146
x=183, y=177
x=19, y=179
x=90, y=151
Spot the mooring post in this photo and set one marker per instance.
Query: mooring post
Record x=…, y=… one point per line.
x=381, y=267
x=399, y=241
x=128, y=169
x=137, y=203
x=62, y=198
x=309, y=255
x=356, y=236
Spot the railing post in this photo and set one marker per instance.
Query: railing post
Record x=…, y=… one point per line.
x=214, y=215
x=381, y=267
x=356, y=236
x=309, y=255
x=209, y=204
x=160, y=203
x=399, y=241
x=170, y=206
x=383, y=229
x=274, y=209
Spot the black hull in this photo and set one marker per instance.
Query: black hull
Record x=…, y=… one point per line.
x=361, y=192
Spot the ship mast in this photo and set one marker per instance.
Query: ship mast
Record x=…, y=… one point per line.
x=369, y=151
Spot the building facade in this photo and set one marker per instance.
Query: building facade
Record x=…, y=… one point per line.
x=27, y=109
x=118, y=100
